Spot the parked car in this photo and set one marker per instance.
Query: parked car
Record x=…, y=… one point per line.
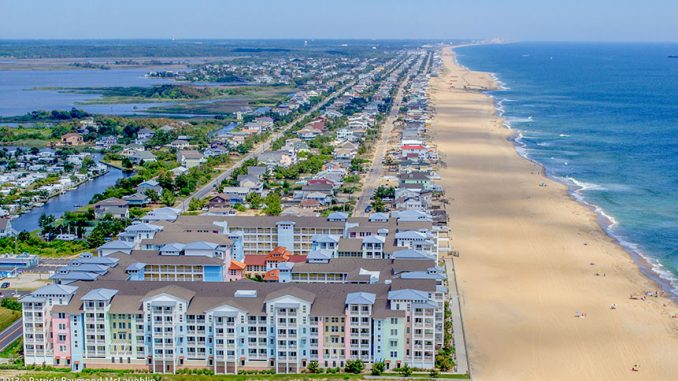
x=4, y=285
x=368, y=208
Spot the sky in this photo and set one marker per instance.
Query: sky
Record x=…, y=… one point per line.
x=517, y=20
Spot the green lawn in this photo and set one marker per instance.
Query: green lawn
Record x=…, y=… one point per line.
x=7, y=317
x=12, y=351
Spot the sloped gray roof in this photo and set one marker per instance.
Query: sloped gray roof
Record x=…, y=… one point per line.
x=410, y=254
x=55, y=289
x=360, y=298
x=407, y=294
x=117, y=244
x=100, y=294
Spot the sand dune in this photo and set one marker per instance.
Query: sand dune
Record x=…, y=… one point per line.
x=529, y=255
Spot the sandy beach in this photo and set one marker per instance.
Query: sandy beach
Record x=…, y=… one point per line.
x=531, y=258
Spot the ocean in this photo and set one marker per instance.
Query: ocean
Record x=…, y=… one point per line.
x=603, y=118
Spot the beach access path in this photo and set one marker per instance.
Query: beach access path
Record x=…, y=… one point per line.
x=531, y=259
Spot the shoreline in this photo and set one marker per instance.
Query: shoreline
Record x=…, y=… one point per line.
x=547, y=248
x=646, y=263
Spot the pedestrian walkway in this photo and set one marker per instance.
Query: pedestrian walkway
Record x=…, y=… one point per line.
x=457, y=323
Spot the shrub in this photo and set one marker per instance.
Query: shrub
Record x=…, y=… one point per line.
x=354, y=366
x=405, y=371
x=11, y=304
x=313, y=367
x=378, y=368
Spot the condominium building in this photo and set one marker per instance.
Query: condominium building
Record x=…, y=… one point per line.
x=164, y=326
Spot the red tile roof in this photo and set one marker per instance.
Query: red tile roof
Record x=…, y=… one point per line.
x=236, y=265
x=272, y=275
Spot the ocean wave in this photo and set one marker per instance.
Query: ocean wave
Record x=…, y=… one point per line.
x=564, y=135
x=516, y=119
x=583, y=186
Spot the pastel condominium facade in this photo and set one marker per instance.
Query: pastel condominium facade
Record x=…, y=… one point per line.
x=162, y=298
x=227, y=327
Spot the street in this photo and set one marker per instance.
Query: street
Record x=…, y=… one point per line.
x=10, y=334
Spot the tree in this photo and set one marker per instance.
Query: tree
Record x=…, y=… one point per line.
x=444, y=360
x=127, y=163
x=45, y=222
x=379, y=205
x=96, y=239
x=168, y=197
x=68, y=167
x=165, y=181
x=23, y=236
x=254, y=199
x=11, y=304
x=87, y=163
x=313, y=367
x=354, y=366
x=153, y=195
x=378, y=368
x=273, y=203
x=196, y=204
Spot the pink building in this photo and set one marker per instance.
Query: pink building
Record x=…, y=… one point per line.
x=61, y=338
